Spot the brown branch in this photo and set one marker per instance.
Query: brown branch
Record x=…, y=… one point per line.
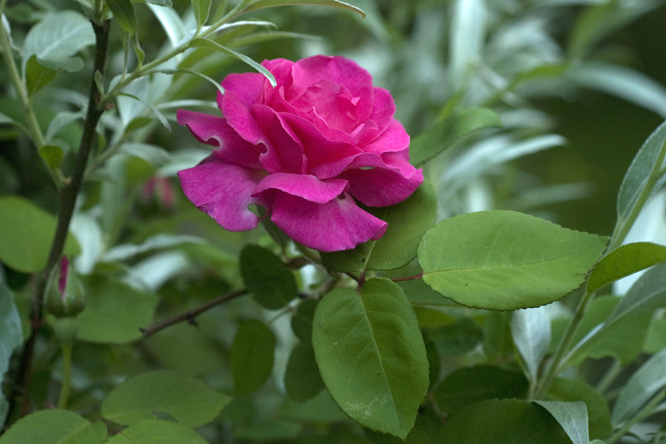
x=190, y=316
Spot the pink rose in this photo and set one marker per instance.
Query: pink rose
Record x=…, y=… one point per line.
x=306, y=150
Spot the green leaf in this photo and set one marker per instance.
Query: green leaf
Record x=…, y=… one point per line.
x=467, y=386
x=37, y=76
x=446, y=132
x=501, y=422
x=163, y=120
x=164, y=3
x=572, y=416
x=407, y=223
x=302, y=379
x=252, y=356
x=56, y=38
x=115, y=312
x=503, y=260
x=52, y=155
x=656, y=336
x=301, y=322
x=204, y=43
x=642, y=178
x=187, y=400
x=198, y=74
x=253, y=5
x=201, y=10
x=11, y=337
x=153, y=154
x=54, y=427
x=266, y=277
x=531, y=335
x=371, y=355
x=123, y=11
x=155, y=431
x=646, y=382
x=624, y=261
x=597, y=407
x=463, y=336
x=29, y=232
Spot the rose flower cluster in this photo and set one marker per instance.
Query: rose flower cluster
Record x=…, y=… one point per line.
x=306, y=150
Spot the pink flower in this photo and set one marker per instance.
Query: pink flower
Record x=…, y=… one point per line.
x=306, y=150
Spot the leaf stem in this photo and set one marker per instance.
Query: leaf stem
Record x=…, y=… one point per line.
x=66, y=374
x=191, y=314
x=408, y=278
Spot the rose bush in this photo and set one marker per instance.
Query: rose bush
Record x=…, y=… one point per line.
x=306, y=150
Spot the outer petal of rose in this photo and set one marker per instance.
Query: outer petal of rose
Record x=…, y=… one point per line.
x=241, y=92
x=333, y=226
x=394, y=138
x=380, y=187
x=215, y=131
x=223, y=191
x=303, y=185
x=284, y=150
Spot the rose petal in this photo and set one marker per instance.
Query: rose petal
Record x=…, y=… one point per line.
x=379, y=187
x=242, y=91
x=215, y=131
x=223, y=191
x=284, y=150
x=303, y=185
x=394, y=138
x=333, y=226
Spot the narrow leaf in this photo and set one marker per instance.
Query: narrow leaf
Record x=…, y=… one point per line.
x=203, y=43
x=503, y=260
x=201, y=10
x=123, y=11
x=54, y=427
x=163, y=120
x=187, y=400
x=11, y=337
x=253, y=5
x=371, y=355
x=198, y=74
x=445, y=133
x=531, y=334
x=624, y=261
x=252, y=356
x=572, y=416
x=266, y=277
x=37, y=76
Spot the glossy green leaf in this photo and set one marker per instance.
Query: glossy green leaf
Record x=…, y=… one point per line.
x=624, y=261
x=201, y=10
x=123, y=11
x=155, y=431
x=371, y=355
x=302, y=379
x=503, y=260
x=266, y=277
x=28, y=234
x=501, y=422
x=115, y=312
x=469, y=385
x=52, y=155
x=531, y=335
x=187, y=400
x=642, y=178
x=597, y=408
x=54, y=427
x=407, y=223
x=37, y=76
x=11, y=337
x=497, y=338
x=253, y=5
x=252, y=356
x=572, y=416
x=204, y=43
x=56, y=38
x=446, y=132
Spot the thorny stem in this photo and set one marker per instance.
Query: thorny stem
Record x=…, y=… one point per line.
x=190, y=315
x=67, y=203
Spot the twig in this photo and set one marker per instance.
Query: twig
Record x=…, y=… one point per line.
x=190, y=316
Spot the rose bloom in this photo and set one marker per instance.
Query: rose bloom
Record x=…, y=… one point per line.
x=306, y=150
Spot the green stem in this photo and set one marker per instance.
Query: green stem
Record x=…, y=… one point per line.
x=646, y=411
x=66, y=375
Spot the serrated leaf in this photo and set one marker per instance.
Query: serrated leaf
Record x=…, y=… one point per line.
x=467, y=386
x=114, y=312
x=123, y=11
x=56, y=38
x=572, y=416
x=302, y=379
x=624, y=261
x=54, y=427
x=201, y=10
x=446, y=132
x=504, y=260
x=531, y=335
x=500, y=422
x=37, y=76
x=156, y=432
x=645, y=383
x=407, y=223
x=597, y=407
x=253, y=5
x=266, y=277
x=252, y=356
x=371, y=355
x=187, y=400
x=29, y=232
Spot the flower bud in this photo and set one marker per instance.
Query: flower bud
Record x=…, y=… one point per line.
x=65, y=296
